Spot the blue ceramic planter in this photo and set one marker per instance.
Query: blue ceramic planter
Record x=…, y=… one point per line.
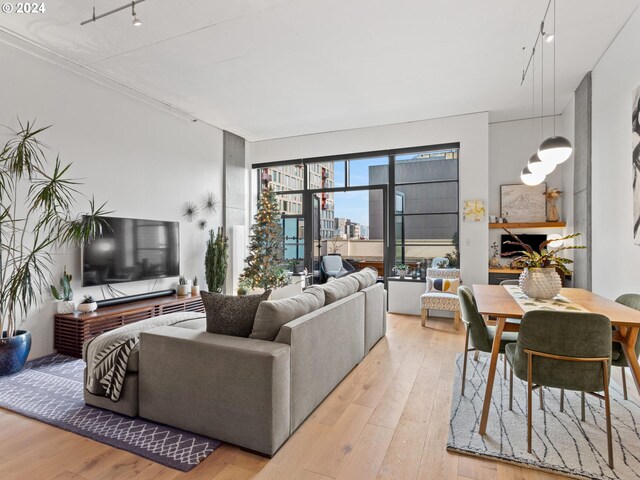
x=14, y=352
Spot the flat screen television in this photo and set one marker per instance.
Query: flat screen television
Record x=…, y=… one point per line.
x=533, y=241
x=130, y=250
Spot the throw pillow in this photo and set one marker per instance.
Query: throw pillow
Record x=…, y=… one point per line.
x=443, y=285
x=273, y=314
x=231, y=315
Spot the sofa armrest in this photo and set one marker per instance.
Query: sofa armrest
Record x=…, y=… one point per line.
x=229, y=388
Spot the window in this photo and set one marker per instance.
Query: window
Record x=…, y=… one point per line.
x=413, y=196
x=427, y=202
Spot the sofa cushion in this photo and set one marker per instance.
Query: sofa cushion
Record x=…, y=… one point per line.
x=366, y=278
x=335, y=290
x=273, y=314
x=231, y=315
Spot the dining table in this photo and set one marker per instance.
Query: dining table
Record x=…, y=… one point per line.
x=496, y=301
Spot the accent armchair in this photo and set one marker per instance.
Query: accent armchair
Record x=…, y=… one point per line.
x=441, y=293
x=618, y=359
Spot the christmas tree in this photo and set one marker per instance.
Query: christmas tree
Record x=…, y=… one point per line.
x=263, y=268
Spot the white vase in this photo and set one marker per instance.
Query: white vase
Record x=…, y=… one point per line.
x=88, y=307
x=183, y=289
x=402, y=273
x=66, y=307
x=542, y=283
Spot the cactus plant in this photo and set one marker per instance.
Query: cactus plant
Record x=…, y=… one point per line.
x=65, y=293
x=215, y=261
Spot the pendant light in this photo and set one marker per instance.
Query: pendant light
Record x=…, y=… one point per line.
x=535, y=165
x=555, y=149
x=530, y=178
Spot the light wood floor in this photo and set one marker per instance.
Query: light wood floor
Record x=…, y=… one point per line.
x=388, y=420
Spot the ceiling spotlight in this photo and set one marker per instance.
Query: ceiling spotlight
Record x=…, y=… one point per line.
x=549, y=37
x=136, y=21
x=530, y=178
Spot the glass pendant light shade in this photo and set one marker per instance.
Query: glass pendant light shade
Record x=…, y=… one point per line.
x=539, y=167
x=530, y=178
x=555, y=150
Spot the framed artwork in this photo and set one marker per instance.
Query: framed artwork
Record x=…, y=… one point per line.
x=523, y=203
x=474, y=211
x=635, y=159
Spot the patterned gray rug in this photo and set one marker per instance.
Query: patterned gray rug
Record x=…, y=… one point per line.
x=561, y=442
x=50, y=390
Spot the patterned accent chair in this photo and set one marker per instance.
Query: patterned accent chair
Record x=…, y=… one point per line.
x=445, y=301
x=440, y=262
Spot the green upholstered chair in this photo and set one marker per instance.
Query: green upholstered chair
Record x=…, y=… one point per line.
x=477, y=331
x=618, y=359
x=564, y=350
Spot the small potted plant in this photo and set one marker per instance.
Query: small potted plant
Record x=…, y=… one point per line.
x=183, y=286
x=64, y=296
x=402, y=270
x=195, y=288
x=88, y=304
x=540, y=277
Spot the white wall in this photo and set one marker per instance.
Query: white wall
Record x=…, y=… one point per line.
x=511, y=144
x=616, y=260
x=144, y=161
x=470, y=130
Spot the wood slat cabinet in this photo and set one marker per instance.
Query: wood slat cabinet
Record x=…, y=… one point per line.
x=72, y=330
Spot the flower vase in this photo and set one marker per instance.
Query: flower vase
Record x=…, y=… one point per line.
x=552, y=211
x=540, y=283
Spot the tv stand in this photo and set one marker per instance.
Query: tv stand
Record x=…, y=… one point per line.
x=72, y=330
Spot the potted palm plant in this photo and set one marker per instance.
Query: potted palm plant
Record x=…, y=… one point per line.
x=540, y=278
x=32, y=225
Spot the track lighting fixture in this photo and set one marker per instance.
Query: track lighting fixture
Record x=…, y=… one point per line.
x=135, y=20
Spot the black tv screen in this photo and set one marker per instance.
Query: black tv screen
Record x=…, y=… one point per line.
x=533, y=241
x=130, y=250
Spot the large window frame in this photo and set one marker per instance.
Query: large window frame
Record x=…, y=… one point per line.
x=390, y=189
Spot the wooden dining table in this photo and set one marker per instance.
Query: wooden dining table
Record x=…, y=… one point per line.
x=496, y=301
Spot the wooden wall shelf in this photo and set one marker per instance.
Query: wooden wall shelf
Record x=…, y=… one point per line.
x=528, y=225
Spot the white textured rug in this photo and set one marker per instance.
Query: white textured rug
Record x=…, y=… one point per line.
x=561, y=442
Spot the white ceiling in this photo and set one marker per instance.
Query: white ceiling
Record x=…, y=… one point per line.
x=276, y=68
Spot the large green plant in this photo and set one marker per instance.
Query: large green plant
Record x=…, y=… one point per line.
x=215, y=260
x=544, y=257
x=36, y=203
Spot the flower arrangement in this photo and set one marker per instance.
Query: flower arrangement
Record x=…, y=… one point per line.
x=552, y=193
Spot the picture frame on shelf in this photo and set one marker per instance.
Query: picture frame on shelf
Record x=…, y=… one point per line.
x=523, y=203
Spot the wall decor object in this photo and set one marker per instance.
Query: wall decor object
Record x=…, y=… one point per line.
x=474, y=211
x=523, y=203
x=190, y=211
x=552, y=195
x=210, y=204
x=635, y=149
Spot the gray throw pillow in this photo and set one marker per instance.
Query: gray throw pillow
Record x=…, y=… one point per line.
x=273, y=314
x=231, y=315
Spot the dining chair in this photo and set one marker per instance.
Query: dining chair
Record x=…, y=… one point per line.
x=565, y=350
x=618, y=358
x=477, y=331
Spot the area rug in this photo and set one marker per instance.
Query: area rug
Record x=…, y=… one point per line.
x=561, y=442
x=50, y=390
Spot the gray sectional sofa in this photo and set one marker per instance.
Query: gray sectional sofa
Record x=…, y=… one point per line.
x=249, y=392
